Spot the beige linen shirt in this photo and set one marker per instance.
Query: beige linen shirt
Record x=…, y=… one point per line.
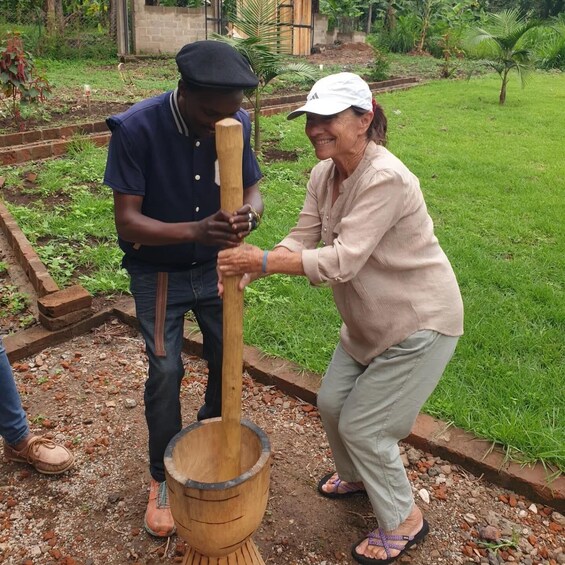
x=376, y=248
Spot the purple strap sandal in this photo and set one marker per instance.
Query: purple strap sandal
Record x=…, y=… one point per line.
x=346, y=488
x=382, y=539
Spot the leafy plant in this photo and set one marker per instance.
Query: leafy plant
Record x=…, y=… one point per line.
x=61, y=258
x=501, y=544
x=548, y=44
x=12, y=300
x=257, y=19
x=18, y=80
x=402, y=37
x=502, y=41
x=450, y=50
x=379, y=67
x=38, y=420
x=426, y=10
x=181, y=3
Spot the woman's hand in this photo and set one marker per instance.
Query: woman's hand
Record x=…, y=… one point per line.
x=243, y=282
x=240, y=260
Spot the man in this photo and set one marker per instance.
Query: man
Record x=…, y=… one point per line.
x=162, y=166
x=20, y=445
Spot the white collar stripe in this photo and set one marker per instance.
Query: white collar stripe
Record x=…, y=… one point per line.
x=181, y=126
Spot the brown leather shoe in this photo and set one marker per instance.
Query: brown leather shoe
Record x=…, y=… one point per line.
x=158, y=518
x=45, y=455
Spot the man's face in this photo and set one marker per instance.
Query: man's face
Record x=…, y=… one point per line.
x=201, y=109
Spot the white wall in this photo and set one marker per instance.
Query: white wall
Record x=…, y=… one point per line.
x=160, y=29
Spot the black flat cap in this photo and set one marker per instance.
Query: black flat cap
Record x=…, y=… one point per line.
x=215, y=64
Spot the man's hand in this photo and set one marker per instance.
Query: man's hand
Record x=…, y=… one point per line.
x=217, y=230
x=244, y=220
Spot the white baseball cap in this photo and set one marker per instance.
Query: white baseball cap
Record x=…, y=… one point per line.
x=335, y=93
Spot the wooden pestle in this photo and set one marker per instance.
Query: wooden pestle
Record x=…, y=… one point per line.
x=229, y=147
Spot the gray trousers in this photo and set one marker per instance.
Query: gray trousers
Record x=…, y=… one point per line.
x=366, y=410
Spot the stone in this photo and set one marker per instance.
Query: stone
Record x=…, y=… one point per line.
x=470, y=519
x=413, y=455
x=424, y=495
x=493, y=518
x=489, y=533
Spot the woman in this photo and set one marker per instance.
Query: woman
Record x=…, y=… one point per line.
x=365, y=231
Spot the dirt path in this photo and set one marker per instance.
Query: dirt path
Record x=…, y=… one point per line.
x=88, y=393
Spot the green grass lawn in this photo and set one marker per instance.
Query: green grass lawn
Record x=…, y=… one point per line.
x=493, y=180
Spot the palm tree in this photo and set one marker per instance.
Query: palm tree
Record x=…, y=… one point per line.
x=262, y=43
x=501, y=40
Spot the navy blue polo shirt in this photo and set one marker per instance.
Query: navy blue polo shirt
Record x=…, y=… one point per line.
x=152, y=154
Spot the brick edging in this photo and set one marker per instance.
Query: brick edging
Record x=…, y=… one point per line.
x=20, y=147
x=18, y=154
x=25, y=254
x=50, y=134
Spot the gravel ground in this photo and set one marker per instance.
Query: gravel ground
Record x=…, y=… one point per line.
x=88, y=394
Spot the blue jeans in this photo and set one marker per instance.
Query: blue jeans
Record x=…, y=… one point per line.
x=161, y=301
x=13, y=421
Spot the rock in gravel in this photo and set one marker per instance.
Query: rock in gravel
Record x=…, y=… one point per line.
x=489, y=533
x=424, y=495
x=413, y=455
x=470, y=519
x=492, y=518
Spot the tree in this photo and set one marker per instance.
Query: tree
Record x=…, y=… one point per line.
x=425, y=10
x=344, y=14
x=261, y=38
x=502, y=40
x=54, y=16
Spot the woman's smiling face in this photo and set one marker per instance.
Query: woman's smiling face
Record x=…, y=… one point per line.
x=336, y=136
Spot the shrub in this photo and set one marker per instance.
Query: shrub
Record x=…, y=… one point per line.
x=18, y=80
x=76, y=45
x=548, y=44
x=379, y=68
x=450, y=52
x=402, y=38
